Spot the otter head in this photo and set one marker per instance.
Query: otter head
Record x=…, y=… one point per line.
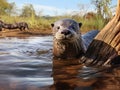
x=66, y=30
x=67, y=41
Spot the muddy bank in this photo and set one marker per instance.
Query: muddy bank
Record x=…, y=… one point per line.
x=24, y=33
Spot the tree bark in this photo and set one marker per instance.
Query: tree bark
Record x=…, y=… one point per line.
x=105, y=48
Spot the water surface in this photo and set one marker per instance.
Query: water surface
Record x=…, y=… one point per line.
x=28, y=64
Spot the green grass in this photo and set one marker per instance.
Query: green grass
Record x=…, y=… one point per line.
x=42, y=23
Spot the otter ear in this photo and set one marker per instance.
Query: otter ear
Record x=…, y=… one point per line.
x=80, y=24
x=52, y=25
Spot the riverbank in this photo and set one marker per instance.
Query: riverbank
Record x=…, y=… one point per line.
x=24, y=33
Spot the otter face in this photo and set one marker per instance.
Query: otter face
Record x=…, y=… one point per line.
x=66, y=29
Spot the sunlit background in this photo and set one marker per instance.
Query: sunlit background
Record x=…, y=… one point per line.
x=58, y=7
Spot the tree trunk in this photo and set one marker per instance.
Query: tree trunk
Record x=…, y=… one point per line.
x=105, y=48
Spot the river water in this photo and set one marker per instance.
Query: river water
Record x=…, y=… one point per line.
x=27, y=63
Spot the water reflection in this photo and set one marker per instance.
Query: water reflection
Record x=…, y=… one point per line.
x=28, y=64
x=70, y=75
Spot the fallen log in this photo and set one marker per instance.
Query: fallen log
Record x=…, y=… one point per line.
x=105, y=48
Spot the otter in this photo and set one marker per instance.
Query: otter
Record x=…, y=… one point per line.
x=68, y=43
x=9, y=26
x=22, y=25
x=19, y=25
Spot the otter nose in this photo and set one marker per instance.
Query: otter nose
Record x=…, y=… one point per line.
x=65, y=32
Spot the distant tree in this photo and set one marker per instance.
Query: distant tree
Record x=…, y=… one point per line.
x=28, y=11
x=103, y=7
x=12, y=9
x=4, y=6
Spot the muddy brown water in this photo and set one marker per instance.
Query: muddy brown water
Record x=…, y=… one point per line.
x=28, y=64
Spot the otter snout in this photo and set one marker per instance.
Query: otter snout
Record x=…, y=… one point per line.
x=65, y=32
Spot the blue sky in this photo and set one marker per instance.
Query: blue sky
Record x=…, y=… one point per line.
x=58, y=7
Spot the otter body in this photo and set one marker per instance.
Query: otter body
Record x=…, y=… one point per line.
x=22, y=25
x=19, y=25
x=68, y=43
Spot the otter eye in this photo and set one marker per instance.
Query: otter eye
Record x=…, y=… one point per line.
x=58, y=27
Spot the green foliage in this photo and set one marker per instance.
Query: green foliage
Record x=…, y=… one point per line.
x=28, y=11
x=12, y=9
x=4, y=5
x=95, y=23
